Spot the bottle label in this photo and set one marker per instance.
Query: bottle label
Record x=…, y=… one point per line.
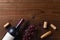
x=8, y=37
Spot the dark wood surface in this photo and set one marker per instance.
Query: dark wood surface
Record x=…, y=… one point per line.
x=13, y=10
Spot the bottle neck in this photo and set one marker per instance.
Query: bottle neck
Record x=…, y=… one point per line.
x=19, y=24
x=14, y=30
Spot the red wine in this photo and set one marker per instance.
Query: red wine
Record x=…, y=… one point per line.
x=13, y=31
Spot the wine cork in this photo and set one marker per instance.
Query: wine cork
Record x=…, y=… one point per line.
x=53, y=26
x=45, y=34
x=6, y=25
x=45, y=24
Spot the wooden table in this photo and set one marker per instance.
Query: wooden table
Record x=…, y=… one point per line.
x=40, y=10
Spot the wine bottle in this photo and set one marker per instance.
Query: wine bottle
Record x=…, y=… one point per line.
x=13, y=31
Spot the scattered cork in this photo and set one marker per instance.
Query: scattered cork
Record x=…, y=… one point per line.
x=45, y=24
x=7, y=25
x=53, y=26
x=45, y=34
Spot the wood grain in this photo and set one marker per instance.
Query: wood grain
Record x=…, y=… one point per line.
x=13, y=10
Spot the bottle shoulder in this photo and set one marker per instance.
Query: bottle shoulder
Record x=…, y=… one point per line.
x=13, y=31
